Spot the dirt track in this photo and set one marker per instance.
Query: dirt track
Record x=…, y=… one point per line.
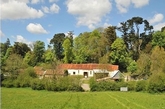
x=85, y=87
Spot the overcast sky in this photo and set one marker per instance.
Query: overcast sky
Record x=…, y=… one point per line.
x=31, y=20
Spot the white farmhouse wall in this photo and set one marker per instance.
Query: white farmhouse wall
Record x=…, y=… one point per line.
x=80, y=72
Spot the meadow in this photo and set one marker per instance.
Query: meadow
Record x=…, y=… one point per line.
x=26, y=98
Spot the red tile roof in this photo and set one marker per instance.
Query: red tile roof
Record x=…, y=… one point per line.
x=38, y=70
x=88, y=66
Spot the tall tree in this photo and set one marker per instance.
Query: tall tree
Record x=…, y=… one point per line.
x=134, y=40
x=39, y=49
x=119, y=54
x=57, y=42
x=110, y=35
x=68, y=54
x=80, y=48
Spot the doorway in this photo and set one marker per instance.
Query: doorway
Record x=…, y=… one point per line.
x=85, y=74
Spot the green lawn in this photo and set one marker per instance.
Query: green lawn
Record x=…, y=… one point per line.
x=26, y=98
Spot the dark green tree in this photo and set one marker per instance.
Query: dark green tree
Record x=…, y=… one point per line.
x=20, y=48
x=57, y=42
x=38, y=51
x=110, y=35
x=133, y=38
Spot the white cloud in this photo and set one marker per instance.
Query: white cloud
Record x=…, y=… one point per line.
x=20, y=38
x=159, y=26
x=123, y=5
x=140, y=3
x=17, y=9
x=35, y=1
x=106, y=25
x=157, y=18
x=45, y=9
x=88, y=12
x=54, y=8
x=36, y=28
x=1, y=34
x=6, y=1
x=53, y=1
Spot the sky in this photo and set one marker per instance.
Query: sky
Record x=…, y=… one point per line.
x=30, y=20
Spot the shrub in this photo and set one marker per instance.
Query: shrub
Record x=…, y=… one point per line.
x=131, y=85
x=37, y=84
x=8, y=83
x=156, y=83
x=141, y=85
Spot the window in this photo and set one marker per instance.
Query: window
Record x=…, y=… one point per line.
x=74, y=73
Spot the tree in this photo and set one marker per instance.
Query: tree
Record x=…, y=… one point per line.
x=39, y=49
x=158, y=39
x=132, y=67
x=13, y=65
x=49, y=56
x=57, y=42
x=89, y=47
x=80, y=48
x=110, y=35
x=20, y=48
x=157, y=60
x=134, y=40
x=119, y=54
x=68, y=54
x=143, y=66
x=163, y=29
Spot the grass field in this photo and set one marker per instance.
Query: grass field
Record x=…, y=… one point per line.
x=26, y=98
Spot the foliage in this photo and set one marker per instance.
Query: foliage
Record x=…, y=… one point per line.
x=141, y=85
x=57, y=42
x=68, y=54
x=12, y=65
x=48, y=56
x=157, y=83
x=39, y=49
x=158, y=39
x=132, y=67
x=134, y=40
x=110, y=34
x=143, y=66
x=157, y=60
x=20, y=48
x=119, y=54
x=37, y=84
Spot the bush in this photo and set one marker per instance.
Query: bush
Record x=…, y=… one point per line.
x=37, y=84
x=141, y=85
x=8, y=83
x=157, y=83
x=131, y=85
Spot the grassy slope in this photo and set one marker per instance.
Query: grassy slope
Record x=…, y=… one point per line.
x=25, y=98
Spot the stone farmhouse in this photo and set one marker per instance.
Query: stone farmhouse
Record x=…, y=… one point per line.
x=86, y=70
